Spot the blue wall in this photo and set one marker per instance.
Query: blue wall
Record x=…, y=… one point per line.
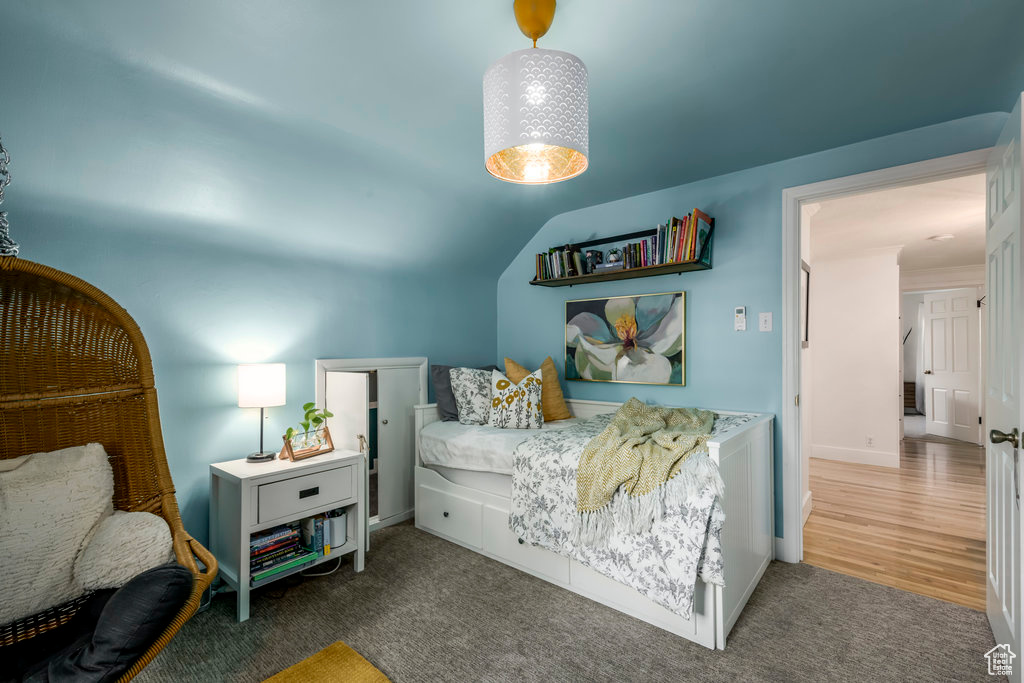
x=724, y=369
x=205, y=307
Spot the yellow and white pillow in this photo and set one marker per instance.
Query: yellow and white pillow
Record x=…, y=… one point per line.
x=516, y=406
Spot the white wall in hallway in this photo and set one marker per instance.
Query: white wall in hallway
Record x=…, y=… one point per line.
x=855, y=334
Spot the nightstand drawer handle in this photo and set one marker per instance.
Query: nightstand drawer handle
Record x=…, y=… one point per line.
x=306, y=493
x=445, y=514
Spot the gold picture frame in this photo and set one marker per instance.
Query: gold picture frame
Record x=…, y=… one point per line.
x=639, y=345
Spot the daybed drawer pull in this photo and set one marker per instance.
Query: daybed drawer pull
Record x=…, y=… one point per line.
x=446, y=513
x=309, y=492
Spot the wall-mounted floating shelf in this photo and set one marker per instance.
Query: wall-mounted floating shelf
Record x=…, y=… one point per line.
x=702, y=262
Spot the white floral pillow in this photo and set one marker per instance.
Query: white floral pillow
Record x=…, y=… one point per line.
x=516, y=406
x=472, y=390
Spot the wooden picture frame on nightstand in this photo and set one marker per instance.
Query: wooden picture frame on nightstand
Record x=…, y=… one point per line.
x=288, y=453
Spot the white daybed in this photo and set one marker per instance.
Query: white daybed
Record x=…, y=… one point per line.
x=471, y=508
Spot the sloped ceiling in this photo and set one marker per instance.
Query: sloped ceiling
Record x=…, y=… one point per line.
x=353, y=130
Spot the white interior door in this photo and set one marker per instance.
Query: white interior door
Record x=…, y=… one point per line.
x=952, y=406
x=1003, y=388
x=347, y=395
x=398, y=390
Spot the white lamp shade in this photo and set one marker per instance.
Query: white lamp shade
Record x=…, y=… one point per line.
x=536, y=118
x=261, y=385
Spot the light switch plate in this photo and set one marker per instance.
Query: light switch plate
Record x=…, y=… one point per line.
x=740, y=323
x=764, y=322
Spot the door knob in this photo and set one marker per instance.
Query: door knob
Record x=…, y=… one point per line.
x=383, y=422
x=996, y=436
x=927, y=372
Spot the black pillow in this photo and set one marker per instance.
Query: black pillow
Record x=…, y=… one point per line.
x=443, y=395
x=130, y=621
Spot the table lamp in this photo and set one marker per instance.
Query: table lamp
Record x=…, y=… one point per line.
x=261, y=385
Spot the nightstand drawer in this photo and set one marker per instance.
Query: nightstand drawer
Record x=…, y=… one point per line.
x=308, y=492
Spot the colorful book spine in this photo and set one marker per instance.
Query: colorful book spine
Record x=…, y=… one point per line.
x=268, y=539
x=284, y=566
x=291, y=540
x=267, y=564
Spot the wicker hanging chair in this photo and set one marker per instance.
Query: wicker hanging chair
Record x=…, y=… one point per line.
x=75, y=369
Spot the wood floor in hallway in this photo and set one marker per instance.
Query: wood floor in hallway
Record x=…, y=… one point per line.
x=920, y=527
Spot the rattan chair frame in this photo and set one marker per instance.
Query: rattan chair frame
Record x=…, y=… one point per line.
x=75, y=368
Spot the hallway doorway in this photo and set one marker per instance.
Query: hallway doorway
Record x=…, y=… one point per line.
x=896, y=280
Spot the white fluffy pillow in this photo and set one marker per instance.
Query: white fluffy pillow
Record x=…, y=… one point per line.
x=124, y=545
x=49, y=504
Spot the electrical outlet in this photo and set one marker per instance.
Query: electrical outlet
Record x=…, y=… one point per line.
x=764, y=322
x=869, y=441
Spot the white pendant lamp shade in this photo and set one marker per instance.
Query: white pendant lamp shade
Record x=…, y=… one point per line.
x=261, y=385
x=536, y=123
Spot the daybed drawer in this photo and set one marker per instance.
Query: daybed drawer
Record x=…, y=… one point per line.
x=308, y=492
x=500, y=541
x=455, y=517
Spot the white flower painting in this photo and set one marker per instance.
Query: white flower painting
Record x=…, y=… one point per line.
x=627, y=339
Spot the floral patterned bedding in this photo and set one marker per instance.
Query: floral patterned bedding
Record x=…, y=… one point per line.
x=663, y=564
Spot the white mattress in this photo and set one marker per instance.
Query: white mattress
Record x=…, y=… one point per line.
x=479, y=448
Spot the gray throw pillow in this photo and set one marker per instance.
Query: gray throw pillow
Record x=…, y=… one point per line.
x=443, y=396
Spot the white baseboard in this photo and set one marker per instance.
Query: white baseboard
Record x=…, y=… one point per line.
x=806, y=507
x=858, y=456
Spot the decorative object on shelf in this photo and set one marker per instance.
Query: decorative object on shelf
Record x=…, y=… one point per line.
x=314, y=439
x=678, y=246
x=261, y=385
x=639, y=339
x=8, y=247
x=536, y=122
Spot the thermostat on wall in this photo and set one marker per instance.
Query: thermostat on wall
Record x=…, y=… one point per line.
x=740, y=325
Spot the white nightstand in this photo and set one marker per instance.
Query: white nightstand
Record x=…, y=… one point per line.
x=248, y=497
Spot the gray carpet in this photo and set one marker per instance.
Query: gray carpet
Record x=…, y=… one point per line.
x=428, y=610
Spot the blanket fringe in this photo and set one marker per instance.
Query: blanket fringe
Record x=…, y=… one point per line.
x=637, y=514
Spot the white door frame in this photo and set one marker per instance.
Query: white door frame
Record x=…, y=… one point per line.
x=790, y=547
x=321, y=366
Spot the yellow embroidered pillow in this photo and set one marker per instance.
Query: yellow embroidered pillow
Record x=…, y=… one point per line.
x=553, y=402
x=516, y=406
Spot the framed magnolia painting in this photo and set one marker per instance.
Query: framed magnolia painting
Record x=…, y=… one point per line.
x=639, y=339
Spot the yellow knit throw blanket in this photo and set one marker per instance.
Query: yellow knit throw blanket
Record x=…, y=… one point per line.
x=637, y=453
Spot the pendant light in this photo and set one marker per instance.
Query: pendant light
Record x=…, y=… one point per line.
x=535, y=107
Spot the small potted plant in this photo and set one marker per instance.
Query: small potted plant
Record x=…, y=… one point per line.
x=314, y=438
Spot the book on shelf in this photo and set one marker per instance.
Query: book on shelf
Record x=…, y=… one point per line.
x=304, y=557
x=679, y=240
x=284, y=556
x=272, y=535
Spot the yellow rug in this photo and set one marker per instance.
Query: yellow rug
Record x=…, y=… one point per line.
x=337, y=662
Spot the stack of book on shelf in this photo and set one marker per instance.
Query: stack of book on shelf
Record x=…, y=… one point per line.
x=322, y=532
x=276, y=550
x=683, y=240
